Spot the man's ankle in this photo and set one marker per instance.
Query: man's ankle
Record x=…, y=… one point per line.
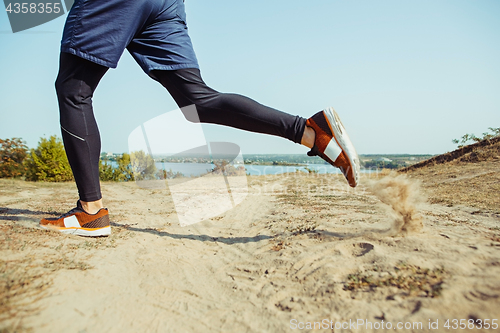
x=308, y=137
x=92, y=207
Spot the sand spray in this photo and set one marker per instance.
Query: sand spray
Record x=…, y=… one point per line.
x=401, y=196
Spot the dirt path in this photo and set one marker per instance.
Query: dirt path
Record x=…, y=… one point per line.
x=298, y=248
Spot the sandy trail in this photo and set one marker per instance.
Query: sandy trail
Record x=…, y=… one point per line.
x=289, y=251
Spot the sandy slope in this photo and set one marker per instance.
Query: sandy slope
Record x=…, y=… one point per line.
x=285, y=253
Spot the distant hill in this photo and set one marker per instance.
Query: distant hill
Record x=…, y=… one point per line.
x=467, y=176
x=485, y=150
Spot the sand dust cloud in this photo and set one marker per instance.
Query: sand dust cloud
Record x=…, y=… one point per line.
x=402, y=197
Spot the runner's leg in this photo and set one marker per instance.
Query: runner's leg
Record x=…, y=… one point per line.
x=75, y=86
x=187, y=87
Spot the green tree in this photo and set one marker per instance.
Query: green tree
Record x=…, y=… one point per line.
x=48, y=162
x=12, y=154
x=125, y=168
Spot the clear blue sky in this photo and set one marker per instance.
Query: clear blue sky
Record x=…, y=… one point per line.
x=405, y=76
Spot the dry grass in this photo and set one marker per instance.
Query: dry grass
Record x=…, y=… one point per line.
x=485, y=150
x=471, y=184
x=412, y=280
x=468, y=176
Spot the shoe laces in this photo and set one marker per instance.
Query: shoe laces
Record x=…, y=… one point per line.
x=71, y=212
x=77, y=209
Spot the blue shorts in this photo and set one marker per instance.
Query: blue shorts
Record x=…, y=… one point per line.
x=153, y=31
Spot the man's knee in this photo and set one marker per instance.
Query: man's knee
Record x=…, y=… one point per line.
x=73, y=91
x=199, y=105
x=64, y=89
x=59, y=85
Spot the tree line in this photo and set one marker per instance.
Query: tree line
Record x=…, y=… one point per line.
x=48, y=162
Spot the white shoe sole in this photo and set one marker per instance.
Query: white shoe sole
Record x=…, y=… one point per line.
x=342, y=139
x=106, y=231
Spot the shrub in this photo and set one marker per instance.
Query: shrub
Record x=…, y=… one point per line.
x=106, y=171
x=12, y=154
x=143, y=166
x=123, y=172
x=467, y=138
x=48, y=162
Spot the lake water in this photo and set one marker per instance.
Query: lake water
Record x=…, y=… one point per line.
x=256, y=170
x=195, y=169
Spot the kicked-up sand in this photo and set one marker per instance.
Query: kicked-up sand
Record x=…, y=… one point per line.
x=301, y=252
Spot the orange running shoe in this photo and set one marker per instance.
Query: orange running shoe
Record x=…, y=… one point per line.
x=78, y=222
x=333, y=144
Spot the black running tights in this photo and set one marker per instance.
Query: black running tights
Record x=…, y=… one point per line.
x=75, y=85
